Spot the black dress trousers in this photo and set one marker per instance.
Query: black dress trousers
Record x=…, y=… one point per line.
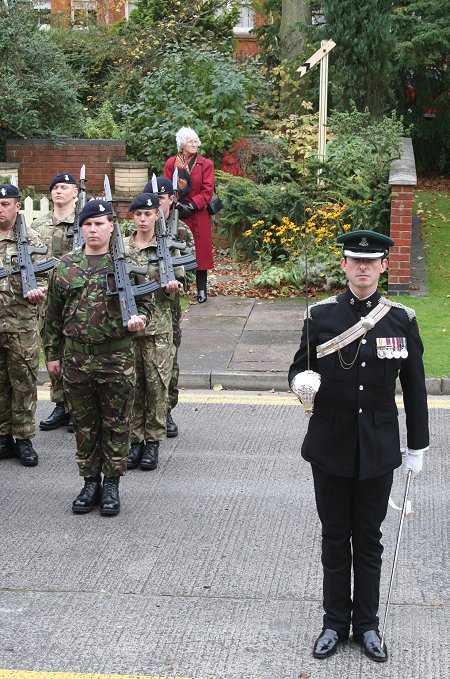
x=351, y=512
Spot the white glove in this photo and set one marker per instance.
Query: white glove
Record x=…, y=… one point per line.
x=413, y=461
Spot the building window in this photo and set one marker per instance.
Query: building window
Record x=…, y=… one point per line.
x=246, y=19
x=83, y=13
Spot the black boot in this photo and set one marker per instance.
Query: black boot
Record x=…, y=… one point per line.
x=89, y=496
x=150, y=457
x=110, y=505
x=171, y=427
x=7, y=447
x=27, y=454
x=58, y=418
x=201, y=279
x=135, y=454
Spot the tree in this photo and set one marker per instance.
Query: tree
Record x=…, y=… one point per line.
x=294, y=15
x=362, y=62
x=422, y=31
x=39, y=91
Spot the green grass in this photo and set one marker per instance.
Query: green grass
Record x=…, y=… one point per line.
x=433, y=310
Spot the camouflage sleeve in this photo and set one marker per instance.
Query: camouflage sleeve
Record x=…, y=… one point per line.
x=54, y=321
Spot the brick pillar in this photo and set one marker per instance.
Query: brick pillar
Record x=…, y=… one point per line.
x=402, y=180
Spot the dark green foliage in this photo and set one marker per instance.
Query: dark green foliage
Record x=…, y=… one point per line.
x=362, y=61
x=38, y=89
x=422, y=29
x=217, y=99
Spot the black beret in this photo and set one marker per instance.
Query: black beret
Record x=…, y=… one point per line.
x=365, y=244
x=164, y=186
x=9, y=191
x=62, y=178
x=144, y=201
x=95, y=208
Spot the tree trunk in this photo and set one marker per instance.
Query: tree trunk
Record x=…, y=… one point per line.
x=293, y=13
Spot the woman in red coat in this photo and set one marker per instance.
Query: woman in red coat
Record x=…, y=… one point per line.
x=195, y=190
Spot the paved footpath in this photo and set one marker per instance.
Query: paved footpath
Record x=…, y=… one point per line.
x=247, y=344
x=212, y=569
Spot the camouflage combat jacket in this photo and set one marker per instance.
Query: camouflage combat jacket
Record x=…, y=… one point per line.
x=162, y=315
x=54, y=233
x=16, y=313
x=78, y=306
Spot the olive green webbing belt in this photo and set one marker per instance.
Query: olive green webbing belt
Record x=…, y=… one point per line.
x=97, y=349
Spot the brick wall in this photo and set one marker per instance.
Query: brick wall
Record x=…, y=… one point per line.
x=401, y=228
x=402, y=180
x=40, y=160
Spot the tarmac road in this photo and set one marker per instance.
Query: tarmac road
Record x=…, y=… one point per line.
x=212, y=569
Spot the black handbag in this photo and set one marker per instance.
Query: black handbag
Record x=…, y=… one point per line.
x=215, y=204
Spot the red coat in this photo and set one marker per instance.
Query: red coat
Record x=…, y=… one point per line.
x=202, y=179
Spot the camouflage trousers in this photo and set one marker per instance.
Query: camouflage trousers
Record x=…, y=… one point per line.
x=99, y=391
x=154, y=357
x=56, y=390
x=175, y=307
x=19, y=366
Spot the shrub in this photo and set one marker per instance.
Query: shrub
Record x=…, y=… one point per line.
x=217, y=98
x=260, y=158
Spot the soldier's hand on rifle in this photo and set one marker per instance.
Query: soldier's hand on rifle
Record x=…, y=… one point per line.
x=37, y=295
x=173, y=286
x=54, y=368
x=137, y=323
x=186, y=209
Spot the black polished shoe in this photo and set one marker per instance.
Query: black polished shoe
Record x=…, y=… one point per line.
x=135, y=455
x=150, y=457
x=371, y=643
x=326, y=643
x=58, y=418
x=7, y=447
x=110, y=504
x=171, y=427
x=89, y=496
x=202, y=296
x=71, y=424
x=26, y=453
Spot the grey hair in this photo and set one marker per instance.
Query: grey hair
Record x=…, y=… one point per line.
x=185, y=133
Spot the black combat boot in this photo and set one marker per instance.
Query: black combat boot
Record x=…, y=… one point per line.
x=7, y=447
x=26, y=453
x=89, y=496
x=171, y=427
x=110, y=505
x=135, y=454
x=150, y=457
x=58, y=418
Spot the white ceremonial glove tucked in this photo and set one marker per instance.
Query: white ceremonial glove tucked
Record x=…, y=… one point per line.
x=414, y=460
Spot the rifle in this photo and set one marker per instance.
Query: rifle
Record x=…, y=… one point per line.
x=77, y=233
x=123, y=287
x=25, y=265
x=165, y=260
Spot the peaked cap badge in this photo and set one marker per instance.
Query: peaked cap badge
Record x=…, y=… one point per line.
x=363, y=242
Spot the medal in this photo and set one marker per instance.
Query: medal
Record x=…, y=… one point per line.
x=396, y=350
x=403, y=349
x=389, y=349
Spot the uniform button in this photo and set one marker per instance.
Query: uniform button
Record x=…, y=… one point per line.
x=363, y=364
x=360, y=410
x=361, y=387
x=363, y=341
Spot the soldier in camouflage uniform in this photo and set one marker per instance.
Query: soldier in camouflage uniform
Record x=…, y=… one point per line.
x=56, y=230
x=19, y=342
x=166, y=199
x=98, y=365
x=154, y=346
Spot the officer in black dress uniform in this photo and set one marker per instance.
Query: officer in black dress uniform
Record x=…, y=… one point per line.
x=352, y=440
